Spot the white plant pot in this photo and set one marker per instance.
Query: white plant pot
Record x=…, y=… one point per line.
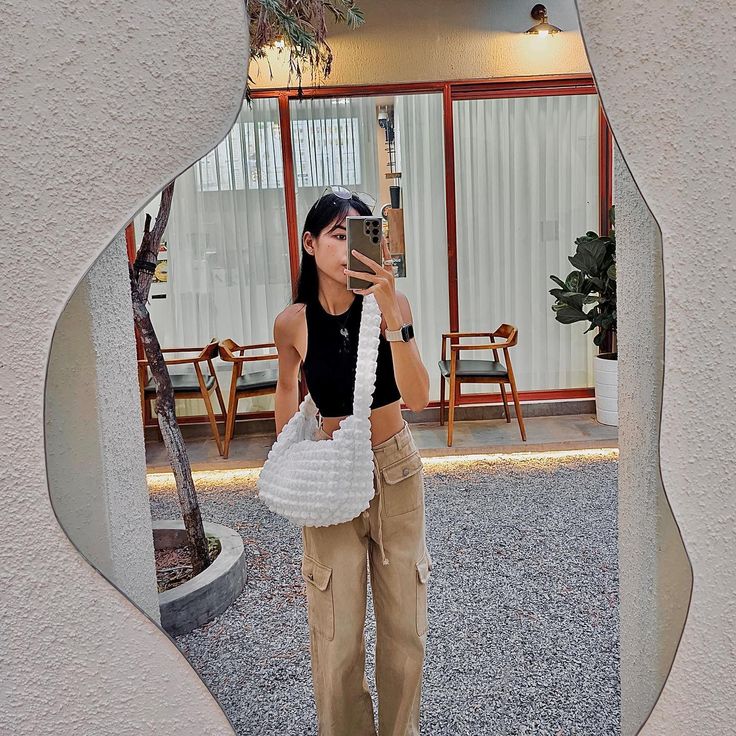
x=606, y=389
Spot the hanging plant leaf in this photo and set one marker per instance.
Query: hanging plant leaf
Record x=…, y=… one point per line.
x=301, y=25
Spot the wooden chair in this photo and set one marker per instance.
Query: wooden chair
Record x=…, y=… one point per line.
x=193, y=384
x=458, y=371
x=253, y=383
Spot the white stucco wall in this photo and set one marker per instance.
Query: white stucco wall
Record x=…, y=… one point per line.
x=664, y=69
x=108, y=101
x=653, y=566
x=94, y=437
x=105, y=102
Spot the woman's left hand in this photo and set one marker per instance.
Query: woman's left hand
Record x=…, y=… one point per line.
x=384, y=286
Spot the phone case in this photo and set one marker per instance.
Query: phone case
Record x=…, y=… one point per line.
x=364, y=235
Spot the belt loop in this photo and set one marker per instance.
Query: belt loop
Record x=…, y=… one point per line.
x=403, y=436
x=400, y=438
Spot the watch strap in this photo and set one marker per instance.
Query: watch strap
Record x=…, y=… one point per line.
x=403, y=334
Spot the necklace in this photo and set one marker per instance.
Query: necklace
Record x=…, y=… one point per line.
x=342, y=321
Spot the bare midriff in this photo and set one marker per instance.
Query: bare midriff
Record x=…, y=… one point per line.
x=386, y=421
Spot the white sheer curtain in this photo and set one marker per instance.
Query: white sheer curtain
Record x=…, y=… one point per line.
x=228, y=259
x=334, y=142
x=527, y=186
x=419, y=136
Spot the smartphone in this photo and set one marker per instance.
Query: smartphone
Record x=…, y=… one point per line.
x=364, y=235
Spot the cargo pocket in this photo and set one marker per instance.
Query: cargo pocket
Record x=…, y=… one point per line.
x=423, y=567
x=403, y=485
x=321, y=610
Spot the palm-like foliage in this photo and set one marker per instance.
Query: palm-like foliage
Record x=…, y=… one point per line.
x=592, y=283
x=302, y=26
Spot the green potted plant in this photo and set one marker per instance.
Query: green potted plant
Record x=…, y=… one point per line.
x=593, y=284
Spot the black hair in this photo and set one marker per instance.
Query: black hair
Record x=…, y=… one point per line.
x=326, y=210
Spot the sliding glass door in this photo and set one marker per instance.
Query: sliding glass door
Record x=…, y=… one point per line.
x=227, y=246
x=340, y=141
x=527, y=185
x=419, y=125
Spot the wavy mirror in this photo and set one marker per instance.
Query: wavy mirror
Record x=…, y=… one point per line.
x=522, y=481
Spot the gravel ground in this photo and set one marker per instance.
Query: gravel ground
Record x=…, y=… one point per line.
x=523, y=603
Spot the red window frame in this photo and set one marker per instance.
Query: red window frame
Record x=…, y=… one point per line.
x=500, y=87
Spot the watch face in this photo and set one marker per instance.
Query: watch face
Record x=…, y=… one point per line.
x=407, y=332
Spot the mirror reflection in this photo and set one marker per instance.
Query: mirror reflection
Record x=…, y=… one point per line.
x=472, y=586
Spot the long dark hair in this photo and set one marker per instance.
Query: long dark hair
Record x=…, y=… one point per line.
x=326, y=210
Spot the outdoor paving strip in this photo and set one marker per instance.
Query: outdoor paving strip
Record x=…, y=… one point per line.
x=523, y=604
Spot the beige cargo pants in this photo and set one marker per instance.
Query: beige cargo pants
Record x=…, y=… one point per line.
x=391, y=535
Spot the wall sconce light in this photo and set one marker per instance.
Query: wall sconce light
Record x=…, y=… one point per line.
x=279, y=43
x=542, y=28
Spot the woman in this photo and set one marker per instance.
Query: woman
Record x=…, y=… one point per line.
x=320, y=330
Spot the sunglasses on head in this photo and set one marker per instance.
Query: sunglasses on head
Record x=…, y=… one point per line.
x=345, y=193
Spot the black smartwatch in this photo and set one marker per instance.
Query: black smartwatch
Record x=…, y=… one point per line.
x=404, y=334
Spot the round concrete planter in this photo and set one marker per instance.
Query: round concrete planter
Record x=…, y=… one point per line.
x=606, y=388
x=208, y=594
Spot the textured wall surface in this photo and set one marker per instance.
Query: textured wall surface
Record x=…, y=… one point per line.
x=416, y=40
x=74, y=467
x=665, y=74
x=108, y=102
x=653, y=567
x=640, y=349
x=94, y=442
x=105, y=102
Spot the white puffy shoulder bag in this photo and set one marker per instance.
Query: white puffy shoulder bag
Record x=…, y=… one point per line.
x=328, y=481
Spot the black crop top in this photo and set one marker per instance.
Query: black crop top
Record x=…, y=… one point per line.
x=332, y=355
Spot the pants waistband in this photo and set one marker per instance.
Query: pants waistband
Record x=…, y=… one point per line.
x=395, y=442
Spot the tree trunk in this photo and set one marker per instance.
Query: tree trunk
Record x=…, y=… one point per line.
x=141, y=275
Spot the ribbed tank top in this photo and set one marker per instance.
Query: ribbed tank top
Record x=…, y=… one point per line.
x=332, y=355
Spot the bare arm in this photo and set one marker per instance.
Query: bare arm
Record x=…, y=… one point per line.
x=287, y=386
x=412, y=377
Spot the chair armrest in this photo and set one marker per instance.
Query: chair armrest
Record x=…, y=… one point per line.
x=259, y=345
x=247, y=358
x=181, y=350
x=489, y=346
x=237, y=352
x=234, y=359
x=273, y=356
x=448, y=335
x=466, y=334
x=184, y=361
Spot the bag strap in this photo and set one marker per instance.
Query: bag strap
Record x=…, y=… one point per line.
x=367, y=362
